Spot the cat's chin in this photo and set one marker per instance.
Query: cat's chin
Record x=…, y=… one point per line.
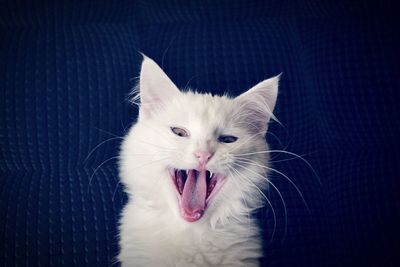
x=194, y=190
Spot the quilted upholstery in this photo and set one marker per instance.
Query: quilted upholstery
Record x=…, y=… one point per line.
x=67, y=68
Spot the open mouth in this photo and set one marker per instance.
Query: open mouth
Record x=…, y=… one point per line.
x=194, y=190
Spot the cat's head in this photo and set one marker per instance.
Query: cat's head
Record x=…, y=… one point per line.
x=202, y=154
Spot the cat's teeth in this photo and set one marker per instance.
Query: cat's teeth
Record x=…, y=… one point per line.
x=187, y=172
x=211, y=174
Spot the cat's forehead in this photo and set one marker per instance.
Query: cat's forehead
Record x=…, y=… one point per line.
x=202, y=110
x=207, y=104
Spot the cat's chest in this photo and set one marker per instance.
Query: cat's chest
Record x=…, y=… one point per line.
x=187, y=249
x=157, y=240
x=196, y=258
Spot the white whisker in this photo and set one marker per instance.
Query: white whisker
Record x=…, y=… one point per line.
x=105, y=141
x=264, y=196
x=276, y=138
x=241, y=193
x=157, y=146
x=98, y=167
x=107, y=132
x=284, y=152
x=115, y=191
x=243, y=142
x=280, y=173
x=276, y=189
x=151, y=162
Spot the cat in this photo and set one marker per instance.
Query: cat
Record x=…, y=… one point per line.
x=194, y=167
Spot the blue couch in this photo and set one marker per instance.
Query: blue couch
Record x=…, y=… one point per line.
x=67, y=67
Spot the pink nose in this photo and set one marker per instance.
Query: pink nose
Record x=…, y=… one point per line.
x=203, y=156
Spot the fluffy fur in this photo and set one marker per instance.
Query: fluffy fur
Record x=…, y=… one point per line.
x=152, y=230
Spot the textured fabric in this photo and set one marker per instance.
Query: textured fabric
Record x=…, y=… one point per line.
x=67, y=68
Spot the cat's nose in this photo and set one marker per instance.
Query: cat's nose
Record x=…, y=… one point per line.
x=203, y=157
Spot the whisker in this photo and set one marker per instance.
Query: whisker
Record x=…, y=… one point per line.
x=276, y=138
x=244, y=142
x=244, y=198
x=276, y=189
x=265, y=197
x=283, y=175
x=187, y=84
x=150, y=154
x=270, y=161
x=125, y=128
x=105, y=141
x=281, y=160
x=158, y=146
x=98, y=167
x=107, y=132
x=285, y=152
x=166, y=50
x=134, y=78
x=115, y=191
x=151, y=162
x=300, y=157
x=136, y=167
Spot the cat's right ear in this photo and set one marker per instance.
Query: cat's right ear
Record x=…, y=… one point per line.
x=257, y=104
x=156, y=89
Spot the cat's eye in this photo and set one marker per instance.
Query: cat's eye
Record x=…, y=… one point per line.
x=180, y=132
x=227, y=138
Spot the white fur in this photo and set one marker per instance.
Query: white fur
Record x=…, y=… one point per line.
x=152, y=231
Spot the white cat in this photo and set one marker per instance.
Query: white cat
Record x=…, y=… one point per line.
x=194, y=167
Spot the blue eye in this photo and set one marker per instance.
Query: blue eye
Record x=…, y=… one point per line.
x=227, y=138
x=180, y=132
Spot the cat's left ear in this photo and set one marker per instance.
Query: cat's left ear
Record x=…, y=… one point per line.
x=156, y=89
x=258, y=103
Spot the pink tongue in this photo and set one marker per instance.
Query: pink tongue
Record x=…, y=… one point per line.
x=194, y=196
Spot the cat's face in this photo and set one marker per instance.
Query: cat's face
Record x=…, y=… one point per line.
x=205, y=144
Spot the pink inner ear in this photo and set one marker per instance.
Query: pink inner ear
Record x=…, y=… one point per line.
x=153, y=103
x=259, y=102
x=255, y=120
x=156, y=88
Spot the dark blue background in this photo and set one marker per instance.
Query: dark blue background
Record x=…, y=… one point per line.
x=66, y=68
